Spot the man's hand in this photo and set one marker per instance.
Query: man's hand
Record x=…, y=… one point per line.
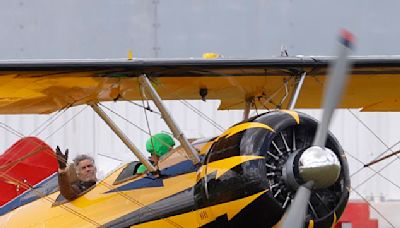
x=62, y=158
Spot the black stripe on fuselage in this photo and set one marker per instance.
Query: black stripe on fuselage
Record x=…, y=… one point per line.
x=262, y=212
x=179, y=203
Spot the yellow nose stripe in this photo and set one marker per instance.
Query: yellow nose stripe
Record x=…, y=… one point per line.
x=294, y=114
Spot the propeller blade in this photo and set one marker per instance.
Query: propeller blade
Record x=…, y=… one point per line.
x=336, y=82
x=295, y=215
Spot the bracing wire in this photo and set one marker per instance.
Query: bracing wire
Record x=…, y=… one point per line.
x=11, y=130
x=375, y=135
x=63, y=125
x=123, y=118
x=378, y=172
x=373, y=170
x=202, y=115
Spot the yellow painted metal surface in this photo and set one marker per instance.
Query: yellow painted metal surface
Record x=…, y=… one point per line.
x=95, y=207
x=50, y=90
x=311, y=224
x=294, y=114
x=205, y=215
x=99, y=206
x=334, y=220
x=241, y=127
x=205, y=148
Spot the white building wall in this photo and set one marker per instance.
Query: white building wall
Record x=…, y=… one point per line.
x=87, y=133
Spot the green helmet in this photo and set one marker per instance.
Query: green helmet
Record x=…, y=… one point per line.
x=141, y=169
x=159, y=144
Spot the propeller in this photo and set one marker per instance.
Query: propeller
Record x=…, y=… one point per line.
x=318, y=166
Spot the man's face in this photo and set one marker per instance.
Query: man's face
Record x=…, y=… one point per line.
x=86, y=171
x=154, y=158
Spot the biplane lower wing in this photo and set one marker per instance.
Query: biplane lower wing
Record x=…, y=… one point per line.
x=48, y=86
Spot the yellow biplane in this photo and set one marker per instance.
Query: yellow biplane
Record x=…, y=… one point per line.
x=247, y=176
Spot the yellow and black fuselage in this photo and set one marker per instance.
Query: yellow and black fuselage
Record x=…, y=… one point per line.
x=238, y=183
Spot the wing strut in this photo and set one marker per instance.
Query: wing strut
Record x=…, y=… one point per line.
x=296, y=92
x=123, y=137
x=247, y=108
x=190, y=151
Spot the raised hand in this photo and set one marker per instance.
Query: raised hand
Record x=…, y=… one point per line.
x=62, y=158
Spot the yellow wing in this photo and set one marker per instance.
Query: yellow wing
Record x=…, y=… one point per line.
x=48, y=86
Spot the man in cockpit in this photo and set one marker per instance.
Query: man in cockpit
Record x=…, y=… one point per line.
x=85, y=173
x=157, y=145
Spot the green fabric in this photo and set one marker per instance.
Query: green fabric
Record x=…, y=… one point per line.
x=159, y=144
x=141, y=169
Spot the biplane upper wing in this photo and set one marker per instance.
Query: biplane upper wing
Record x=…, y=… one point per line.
x=47, y=86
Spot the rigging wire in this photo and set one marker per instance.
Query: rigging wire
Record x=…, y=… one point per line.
x=373, y=170
x=15, y=154
x=202, y=115
x=19, y=135
x=184, y=102
x=255, y=107
x=47, y=122
x=283, y=86
x=384, y=167
x=37, y=146
x=112, y=158
x=279, y=106
x=123, y=118
x=360, y=169
x=50, y=120
x=142, y=94
x=142, y=106
x=11, y=130
x=130, y=122
x=376, y=136
x=196, y=111
x=63, y=125
x=378, y=173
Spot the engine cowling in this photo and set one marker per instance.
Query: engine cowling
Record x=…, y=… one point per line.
x=263, y=145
